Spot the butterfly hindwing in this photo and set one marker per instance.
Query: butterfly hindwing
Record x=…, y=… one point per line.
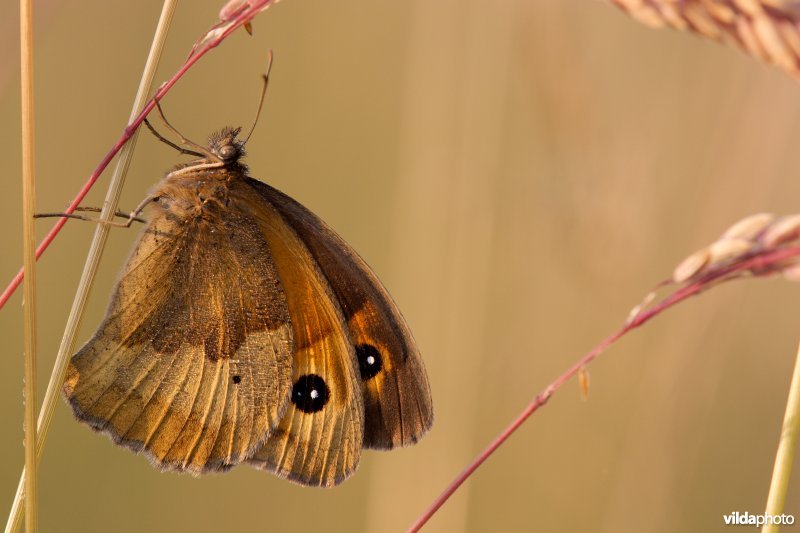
x=192, y=363
x=396, y=394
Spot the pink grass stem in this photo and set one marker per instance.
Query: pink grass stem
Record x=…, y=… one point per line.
x=243, y=15
x=766, y=262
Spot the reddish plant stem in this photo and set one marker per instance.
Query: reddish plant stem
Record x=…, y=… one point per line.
x=243, y=16
x=767, y=262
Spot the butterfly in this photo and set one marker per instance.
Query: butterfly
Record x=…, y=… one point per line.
x=243, y=329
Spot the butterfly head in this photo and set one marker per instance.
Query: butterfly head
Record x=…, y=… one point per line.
x=226, y=146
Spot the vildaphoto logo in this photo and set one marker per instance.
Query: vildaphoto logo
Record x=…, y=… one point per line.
x=746, y=519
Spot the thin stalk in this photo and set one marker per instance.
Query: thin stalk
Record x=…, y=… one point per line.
x=29, y=258
x=765, y=262
x=95, y=252
x=786, y=450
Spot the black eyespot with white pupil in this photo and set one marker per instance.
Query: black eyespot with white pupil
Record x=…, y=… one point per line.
x=310, y=393
x=370, y=361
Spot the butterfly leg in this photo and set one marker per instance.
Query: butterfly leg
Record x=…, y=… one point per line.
x=201, y=151
x=170, y=143
x=132, y=216
x=89, y=219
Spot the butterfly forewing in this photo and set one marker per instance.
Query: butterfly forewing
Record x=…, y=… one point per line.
x=397, y=399
x=318, y=441
x=192, y=363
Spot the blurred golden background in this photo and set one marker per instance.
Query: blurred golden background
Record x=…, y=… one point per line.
x=519, y=173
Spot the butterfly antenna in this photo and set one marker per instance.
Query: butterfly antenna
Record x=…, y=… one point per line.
x=203, y=151
x=263, y=94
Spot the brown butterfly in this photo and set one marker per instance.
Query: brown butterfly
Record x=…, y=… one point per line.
x=244, y=328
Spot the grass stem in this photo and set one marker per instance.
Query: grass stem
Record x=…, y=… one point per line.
x=92, y=261
x=786, y=450
x=29, y=257
x=765, y=262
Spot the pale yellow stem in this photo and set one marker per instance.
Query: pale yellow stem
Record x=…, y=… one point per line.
x=93, y=259
x=786, y=449
x=29, y=258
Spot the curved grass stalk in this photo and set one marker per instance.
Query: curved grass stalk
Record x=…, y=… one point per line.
x=768, y=260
